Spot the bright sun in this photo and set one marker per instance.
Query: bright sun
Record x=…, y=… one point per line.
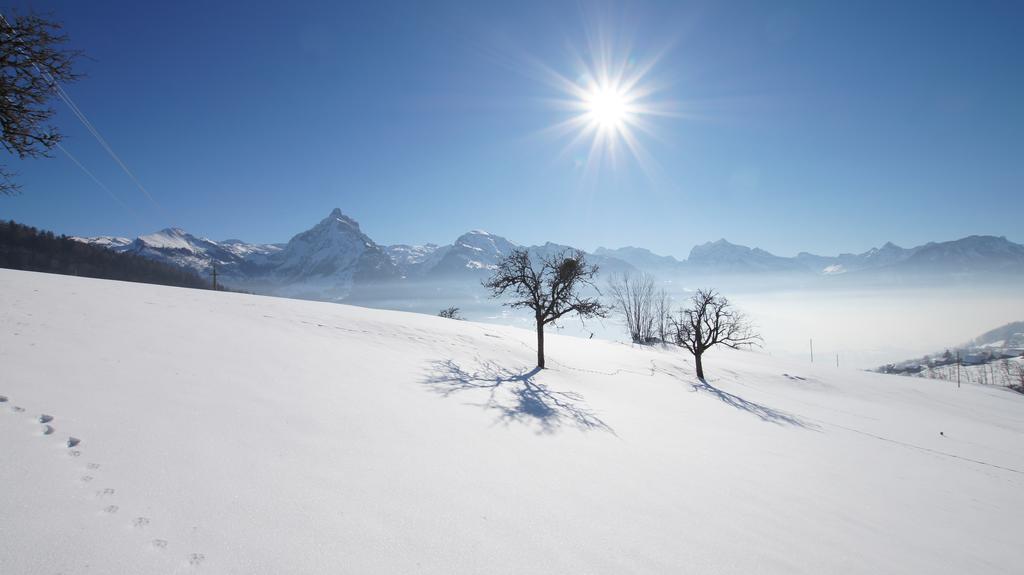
x=609, y=97
x=607, y=107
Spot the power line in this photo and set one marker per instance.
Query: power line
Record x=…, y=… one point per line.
x=99, y=138
x=97, y=180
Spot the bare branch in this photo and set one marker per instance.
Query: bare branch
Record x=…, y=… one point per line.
x=33, y=61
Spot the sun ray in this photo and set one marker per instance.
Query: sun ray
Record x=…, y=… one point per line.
x=611, y=102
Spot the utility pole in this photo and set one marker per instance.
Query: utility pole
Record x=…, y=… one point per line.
x=837, y=360
x=214, y=273
x=958, y=369
x=812, y=350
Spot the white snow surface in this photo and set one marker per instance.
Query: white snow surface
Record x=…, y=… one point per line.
x=230, y=433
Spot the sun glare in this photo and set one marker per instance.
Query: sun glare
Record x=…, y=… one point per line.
x=610, y=100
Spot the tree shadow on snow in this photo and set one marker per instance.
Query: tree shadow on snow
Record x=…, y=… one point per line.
x=516, y=396
x=764, y=412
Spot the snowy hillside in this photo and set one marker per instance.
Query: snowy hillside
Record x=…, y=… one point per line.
x=229, y=433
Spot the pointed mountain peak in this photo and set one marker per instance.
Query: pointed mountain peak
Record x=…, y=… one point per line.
x=722, y=242
x=336, y=216
x=717, y=247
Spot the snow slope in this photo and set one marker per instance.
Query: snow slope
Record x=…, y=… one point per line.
x=230, y=433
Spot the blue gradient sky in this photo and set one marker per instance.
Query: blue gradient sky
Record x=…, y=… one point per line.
x=820, y=126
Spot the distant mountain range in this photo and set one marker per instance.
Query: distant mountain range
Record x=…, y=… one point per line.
x=969, y=255
x=334, y=259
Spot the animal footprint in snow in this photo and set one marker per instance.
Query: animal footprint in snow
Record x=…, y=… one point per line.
x=111, y=509
x=86, y=478
x=73, y=441
x=140, y=522
x=74, y=453
x=93, y=466
x=17, y=408
x=160, y=543
x=196, y=558
x=105, y=492
x=47, y=430
x=45, y=418
x=3, y=398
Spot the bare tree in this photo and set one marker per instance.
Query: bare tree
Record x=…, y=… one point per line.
x=711, y=320
x=633, y=297
x=450, y=312
x=1019, y=384
x=662, y=310
x=551, y=290
x=32, y=61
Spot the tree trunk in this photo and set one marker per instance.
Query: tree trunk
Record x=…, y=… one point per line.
x=540, y=344
x=700, y=366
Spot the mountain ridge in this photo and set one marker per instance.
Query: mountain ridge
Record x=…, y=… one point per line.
x=331, y=258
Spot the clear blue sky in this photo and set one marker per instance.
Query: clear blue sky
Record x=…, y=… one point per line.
x=822, y=126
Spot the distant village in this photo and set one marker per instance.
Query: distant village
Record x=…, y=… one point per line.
x=995, y=358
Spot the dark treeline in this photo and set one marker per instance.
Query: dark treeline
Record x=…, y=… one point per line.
x=27, y=248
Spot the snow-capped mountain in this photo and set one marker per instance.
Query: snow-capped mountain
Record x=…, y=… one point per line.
x=109, y=242
x=325, y=261
x=334, y=260
x=970, y=254
x=643, y=259
x=476, y=252
x=725, y=256
x=606, y=264
x=888, y=255
x=414, y=261
x=178, y=247
x=973, y=254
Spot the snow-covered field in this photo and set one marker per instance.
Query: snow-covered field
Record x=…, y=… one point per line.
x=229, y=433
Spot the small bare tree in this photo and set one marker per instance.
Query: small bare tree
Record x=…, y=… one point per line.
x=551, y=290
x=450, y=312
x=1018, y=385
x=662, y=310
x=633, y=297
x=711, y=320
